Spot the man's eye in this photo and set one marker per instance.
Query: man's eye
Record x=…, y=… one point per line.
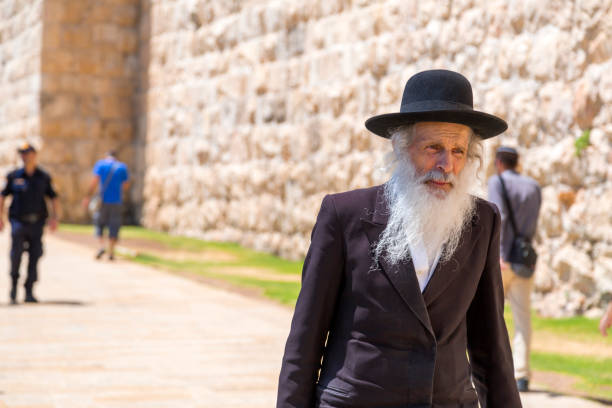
x=459, y=152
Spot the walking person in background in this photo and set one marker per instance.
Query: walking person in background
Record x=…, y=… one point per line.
x=29, y=186
x=111, y=180
x=518, y=198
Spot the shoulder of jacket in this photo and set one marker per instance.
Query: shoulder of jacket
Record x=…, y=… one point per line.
x=349, y=198
x=354, y=203
x=356, y=194
x=484, y=207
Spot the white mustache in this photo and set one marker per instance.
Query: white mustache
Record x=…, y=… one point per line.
x=437, y=175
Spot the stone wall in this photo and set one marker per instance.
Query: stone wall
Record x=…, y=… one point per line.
x=256, y=110
x=20, y=76
x=90, y=68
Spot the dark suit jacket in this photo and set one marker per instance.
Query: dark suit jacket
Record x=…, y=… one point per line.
x=379, y=342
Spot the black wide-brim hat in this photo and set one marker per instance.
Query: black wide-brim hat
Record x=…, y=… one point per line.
x=438, y=96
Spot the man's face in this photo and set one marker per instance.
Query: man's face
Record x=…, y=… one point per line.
x=439, y=147
x=28, y=157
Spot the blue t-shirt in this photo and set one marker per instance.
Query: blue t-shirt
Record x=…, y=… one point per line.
x=112, y=193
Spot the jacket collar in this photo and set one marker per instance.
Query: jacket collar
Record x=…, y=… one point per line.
x=403, y=276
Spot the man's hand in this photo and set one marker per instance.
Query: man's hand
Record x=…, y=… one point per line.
x=52, y=224
x=606, y=320
x=85, y=203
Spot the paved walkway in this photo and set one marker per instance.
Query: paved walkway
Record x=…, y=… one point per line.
x=123, y=335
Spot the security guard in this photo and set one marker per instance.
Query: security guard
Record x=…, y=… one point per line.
x=29, y=186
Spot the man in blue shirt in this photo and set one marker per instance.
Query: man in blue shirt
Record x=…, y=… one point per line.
x=525, y=199
x=29, y=186
x=111, y=179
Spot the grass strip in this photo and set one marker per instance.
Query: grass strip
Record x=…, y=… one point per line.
x=284, y=292
x=245, y=257
x=594, y=375
x=578, y=328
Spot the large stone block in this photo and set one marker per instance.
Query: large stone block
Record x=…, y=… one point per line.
x=52, y=35
x=65, y=12
x=124, y=15
x=587, y=104
x=59, y=62
x=75, y=37
x=65, y=128
x=115, y=107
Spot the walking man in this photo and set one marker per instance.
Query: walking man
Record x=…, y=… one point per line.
x=111, y=179
x=402, y=282
x=523, y=196
x=29, y=186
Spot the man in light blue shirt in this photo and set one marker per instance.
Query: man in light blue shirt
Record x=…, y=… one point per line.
x=111, y=179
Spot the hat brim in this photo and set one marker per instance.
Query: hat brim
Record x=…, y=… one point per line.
x=483, y=124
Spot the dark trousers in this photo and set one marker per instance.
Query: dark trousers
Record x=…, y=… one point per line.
x=26, y=236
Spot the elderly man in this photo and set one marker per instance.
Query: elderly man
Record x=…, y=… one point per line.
x=402, y=301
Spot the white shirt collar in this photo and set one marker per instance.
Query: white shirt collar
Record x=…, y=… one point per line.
x=424, y=270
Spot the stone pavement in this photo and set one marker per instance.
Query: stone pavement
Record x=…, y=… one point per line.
x=124, y=335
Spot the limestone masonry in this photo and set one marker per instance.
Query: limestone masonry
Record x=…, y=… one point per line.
x=20, y=76
x=239, y=116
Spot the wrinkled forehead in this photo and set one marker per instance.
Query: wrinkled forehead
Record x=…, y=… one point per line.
x=443, y=133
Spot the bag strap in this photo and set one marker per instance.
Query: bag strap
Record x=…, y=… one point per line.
x=508, y=205
x=108, y=178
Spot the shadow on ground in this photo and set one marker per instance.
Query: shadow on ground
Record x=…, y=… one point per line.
x=58, y=302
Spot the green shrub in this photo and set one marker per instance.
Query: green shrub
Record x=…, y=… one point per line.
x=582, y=142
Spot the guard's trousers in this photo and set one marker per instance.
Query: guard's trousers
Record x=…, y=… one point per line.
x=26, y=237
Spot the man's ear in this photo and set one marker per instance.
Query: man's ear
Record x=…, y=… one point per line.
x=497, y=165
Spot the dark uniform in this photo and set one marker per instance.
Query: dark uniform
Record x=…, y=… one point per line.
x=27, y=215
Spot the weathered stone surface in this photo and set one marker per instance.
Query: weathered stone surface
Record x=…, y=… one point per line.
x=20, y=76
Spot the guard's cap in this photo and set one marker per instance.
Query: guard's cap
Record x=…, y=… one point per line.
x=507, y=150
x=26, y=147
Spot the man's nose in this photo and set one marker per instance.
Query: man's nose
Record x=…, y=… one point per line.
x=444, y=162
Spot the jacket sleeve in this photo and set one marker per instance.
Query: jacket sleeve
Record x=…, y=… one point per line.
x=488, y=345
x=314, y=310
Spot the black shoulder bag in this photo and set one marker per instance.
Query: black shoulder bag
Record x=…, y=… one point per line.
x=521, y=251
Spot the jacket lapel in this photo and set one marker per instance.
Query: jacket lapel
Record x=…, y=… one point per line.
x=445, y=273
x=402, y=277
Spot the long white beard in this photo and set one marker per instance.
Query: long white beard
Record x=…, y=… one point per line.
x=418, y=215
